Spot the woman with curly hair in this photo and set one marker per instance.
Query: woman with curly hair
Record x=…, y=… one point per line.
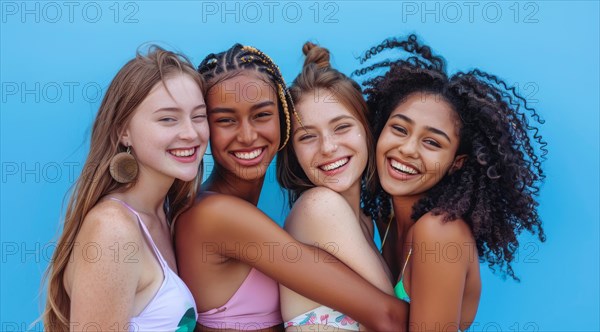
x=459, y=165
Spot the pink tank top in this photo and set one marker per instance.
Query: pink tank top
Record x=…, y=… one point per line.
x=172, y=308
x=254, y=306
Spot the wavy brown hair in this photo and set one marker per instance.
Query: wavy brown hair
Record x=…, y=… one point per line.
x=128, y=89
x=317, y=74
x=494, y=191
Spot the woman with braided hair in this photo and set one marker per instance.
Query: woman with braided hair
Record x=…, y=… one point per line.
x=458, y=163
x=231, y=255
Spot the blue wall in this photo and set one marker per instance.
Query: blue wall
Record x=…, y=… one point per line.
x=57, y=58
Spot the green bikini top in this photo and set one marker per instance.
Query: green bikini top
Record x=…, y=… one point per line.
x=399, y=289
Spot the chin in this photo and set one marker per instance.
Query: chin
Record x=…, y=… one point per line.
x=392, y=191
x=250, y=175
x=185, y=179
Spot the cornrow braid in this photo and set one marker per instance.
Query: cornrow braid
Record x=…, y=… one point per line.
x=240, y=57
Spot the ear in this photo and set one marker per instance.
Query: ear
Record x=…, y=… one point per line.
x=125, y=138
x=458, y=163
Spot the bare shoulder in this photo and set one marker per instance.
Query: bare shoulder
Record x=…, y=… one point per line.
x=110, y=222
x=319, y=196
x=208, y=209
x=320, y=214
x=433, y=228
x=321, y=200
x=214, y=213
x=109, y=225
x=446, y=245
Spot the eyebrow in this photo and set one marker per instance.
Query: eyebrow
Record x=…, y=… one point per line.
x=252, y=108
x=177, y=109
x=334, y=120
x=431, y=129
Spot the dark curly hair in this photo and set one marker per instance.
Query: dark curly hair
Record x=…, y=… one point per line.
x=494, y=191
x=218, y=67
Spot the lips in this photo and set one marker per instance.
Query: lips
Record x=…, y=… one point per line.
x=334, y=165
x=184, y=155
x=402, y=171
x=404, y=168
x=183, y=152
x=249, y=157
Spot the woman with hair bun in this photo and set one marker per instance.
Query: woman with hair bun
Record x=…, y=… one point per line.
x=324, y=168
x=459, y=159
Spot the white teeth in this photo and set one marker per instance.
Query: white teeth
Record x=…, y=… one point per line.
x=335, y=165
x=183, y=152
x=248, y=155
x=403, y=168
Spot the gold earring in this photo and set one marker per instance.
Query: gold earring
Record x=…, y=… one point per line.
x=123, y=167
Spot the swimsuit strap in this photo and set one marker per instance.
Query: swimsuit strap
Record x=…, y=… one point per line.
x=161, y=260
x=386, y=233
x=405, y=263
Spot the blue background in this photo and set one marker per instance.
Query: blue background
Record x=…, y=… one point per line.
x=58, y=57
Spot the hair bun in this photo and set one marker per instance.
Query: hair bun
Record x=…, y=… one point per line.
x=316, y=54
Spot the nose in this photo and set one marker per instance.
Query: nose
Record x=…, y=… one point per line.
x=328, y=144
x=247, y=133
x=188, y=132
x=409, y=147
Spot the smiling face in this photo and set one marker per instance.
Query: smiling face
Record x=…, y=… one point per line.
x=331, y=147
x=417, y=145
x=168, y=132
x=244, y=124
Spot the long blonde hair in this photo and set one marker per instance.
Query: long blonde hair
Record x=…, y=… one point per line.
x=128, y=89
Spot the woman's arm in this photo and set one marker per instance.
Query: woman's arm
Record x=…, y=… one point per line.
x=103, y=285
x=439, y=263
x=323, y=218
x=229, y=222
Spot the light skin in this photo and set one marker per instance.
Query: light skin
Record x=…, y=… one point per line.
x=331, y=145
x=332, y=150
x=416, y=149
x=210, y=237
x=106, y=290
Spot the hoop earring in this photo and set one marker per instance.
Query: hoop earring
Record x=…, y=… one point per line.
x=123, y=167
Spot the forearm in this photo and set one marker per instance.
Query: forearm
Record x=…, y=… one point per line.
x=321, y=277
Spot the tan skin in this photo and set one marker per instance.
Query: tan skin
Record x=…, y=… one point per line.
x=210, y=237
x=416, y=148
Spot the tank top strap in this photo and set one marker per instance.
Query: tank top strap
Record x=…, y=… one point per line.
x=146, y=232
